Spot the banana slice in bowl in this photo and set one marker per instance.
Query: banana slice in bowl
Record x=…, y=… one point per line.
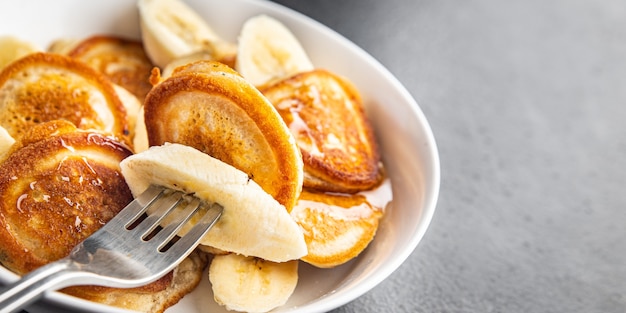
x=170, y=29
x=268, y=51
x=6, y=141
x=249, y=284
x=14, y=48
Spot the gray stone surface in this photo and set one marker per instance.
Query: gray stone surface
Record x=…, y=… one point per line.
x=527, y=101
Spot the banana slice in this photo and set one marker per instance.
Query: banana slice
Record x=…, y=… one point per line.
x=268, y=51
x=132, y=105
x=63, y=45
x=251, y=284
x=184, y=60
x=14, y=48
x=6, y=141
x=252, y=224
x=140, y=139
x=170, y=29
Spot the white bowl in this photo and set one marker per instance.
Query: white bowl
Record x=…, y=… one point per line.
x=408, y=147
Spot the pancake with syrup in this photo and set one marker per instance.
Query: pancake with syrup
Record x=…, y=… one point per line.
x=58, y=185
x=210, y=107
x=324, y=112
x=122, y=60
x=45, y=86
x=337, y=227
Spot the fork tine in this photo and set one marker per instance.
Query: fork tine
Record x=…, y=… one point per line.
x=198, y=231
x=138, y=206
x=114, y=256
x=159, y=210
x=182, y=216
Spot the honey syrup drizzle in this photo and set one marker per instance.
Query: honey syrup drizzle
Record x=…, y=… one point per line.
x=342, y=206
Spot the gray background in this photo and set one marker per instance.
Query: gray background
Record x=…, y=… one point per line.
x=527, y=103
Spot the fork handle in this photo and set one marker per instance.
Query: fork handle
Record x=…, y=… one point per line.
x=32, y=286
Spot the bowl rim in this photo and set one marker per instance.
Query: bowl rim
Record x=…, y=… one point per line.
x=432, y=176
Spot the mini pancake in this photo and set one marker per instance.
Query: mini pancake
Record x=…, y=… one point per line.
x=58, y=185
x=324, y=112
x=122, y=60
x=337, y=227
x=45, y=86
x=56, y=189
x=155, y=297
x=208, y=106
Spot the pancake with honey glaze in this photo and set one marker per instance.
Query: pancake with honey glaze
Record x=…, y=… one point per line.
x=325, y=114
x=56, y=188
x=122, y=60
x=338, y=227
x=44, y=86
x=58, y=185
x=208, y=106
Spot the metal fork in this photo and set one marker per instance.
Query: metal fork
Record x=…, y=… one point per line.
x=129, y=251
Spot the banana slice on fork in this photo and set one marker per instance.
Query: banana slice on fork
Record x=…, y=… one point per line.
x=253, y=223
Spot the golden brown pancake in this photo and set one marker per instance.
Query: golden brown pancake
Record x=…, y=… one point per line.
x=325, y=114
x=337, y=227
x=57, y=188
x=155, y=297
x=208, y=106
x=58, y=185
x=44, y=87
x=122, y=60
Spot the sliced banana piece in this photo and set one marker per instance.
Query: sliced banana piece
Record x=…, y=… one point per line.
x=268, y=51
x=251, y=284
x=63, y=45
x=171, y=29
x=140, y=139
x=184, y=60
x=253, y=222
x=132, y=106
x=13, y=48
x=6, y=141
